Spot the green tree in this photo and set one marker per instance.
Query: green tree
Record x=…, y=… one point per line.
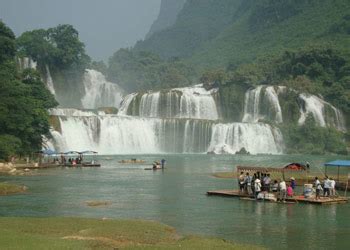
x=59, y=47
x=70, y=51
x=7, y=43
x=23, y=106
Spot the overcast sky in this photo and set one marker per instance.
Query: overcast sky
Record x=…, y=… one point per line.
x=104, y=25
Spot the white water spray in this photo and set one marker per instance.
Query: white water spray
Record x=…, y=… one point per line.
x=99, y=92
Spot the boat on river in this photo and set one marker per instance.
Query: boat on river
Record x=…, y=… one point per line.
x=50, y=159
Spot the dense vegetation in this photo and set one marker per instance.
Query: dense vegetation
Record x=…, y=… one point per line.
x=24, y=103
x=58, y=47
x=60, y=50
x=139, y=71
x=230, y=32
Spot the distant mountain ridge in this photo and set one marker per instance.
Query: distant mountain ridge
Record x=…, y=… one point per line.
x=169, y=9
x=219, y=33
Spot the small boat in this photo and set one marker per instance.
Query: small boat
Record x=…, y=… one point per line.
x=90, y=164
x=155, y=167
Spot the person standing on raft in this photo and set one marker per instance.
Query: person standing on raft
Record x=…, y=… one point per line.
x=163, y=163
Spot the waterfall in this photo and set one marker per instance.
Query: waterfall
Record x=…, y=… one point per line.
x=71, y=112
x=49, y=81
x=149, y=106
x=323, y=112
x=99, y=92
x=115, y=134
x=272, y=97
x=251, y=105
x=266, y=106
x=254, y=137
x=26, y=63
x=191, y=102
x=125, y=104
x=262, y=103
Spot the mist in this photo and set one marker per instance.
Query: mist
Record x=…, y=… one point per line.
x=104, y=26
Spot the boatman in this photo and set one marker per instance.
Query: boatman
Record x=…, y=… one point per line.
x=163, y=163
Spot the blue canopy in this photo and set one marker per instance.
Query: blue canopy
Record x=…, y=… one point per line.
x=71, y=153
x=48, y=152
x=338, y=163
x=88, y=152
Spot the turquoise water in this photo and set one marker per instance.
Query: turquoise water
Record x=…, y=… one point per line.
x=177, y=197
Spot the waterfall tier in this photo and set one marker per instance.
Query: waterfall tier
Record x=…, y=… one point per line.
x=255, y=138
x=263, y=103
x=49, y=82
x=114, y=134
x=191, y=102
x=26, y=63
x=323, y=112
x=99, y=92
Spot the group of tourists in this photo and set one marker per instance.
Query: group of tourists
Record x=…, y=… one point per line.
x=262, y=183
x=71, y=161
x=328, y=187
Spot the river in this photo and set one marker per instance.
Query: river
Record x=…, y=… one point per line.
x=177, y=197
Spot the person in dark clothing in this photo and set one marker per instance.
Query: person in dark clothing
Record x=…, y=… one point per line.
x=293, y=184
x=163, y=163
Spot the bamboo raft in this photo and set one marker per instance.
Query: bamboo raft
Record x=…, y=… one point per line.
x=294, y=199
x=53, y=165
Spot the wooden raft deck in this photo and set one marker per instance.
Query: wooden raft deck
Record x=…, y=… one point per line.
x=294, y=199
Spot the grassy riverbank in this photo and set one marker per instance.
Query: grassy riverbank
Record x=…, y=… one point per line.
x=79, y=233
x=6, y=188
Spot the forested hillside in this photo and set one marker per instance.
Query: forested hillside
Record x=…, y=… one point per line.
x=24, y=103
x=169, y=9
x=229, y=32
x=211, y=34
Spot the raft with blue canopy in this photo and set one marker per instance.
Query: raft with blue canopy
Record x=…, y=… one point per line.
x=337, y=163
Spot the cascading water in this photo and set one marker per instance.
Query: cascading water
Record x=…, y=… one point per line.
x=26, y=63
x=258, y=107
x=323, y=112
x=185, y=120
x=114, y=134
x=262, y=103
x=99, y=92
x=49, y=81
x=191, y=102
x=254, y=137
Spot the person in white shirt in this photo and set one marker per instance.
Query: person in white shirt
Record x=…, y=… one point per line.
x=257, y=187
x=332, y=187
x=248, y=184
x=283, y=190
x=241, y=182
x=267, y=183
x=318, y=188
x=326, y=186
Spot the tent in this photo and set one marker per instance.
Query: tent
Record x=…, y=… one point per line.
x=88, y=152
x=47, y=152
x=337, y=163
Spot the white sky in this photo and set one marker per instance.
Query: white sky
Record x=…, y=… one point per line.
x=104, y=25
